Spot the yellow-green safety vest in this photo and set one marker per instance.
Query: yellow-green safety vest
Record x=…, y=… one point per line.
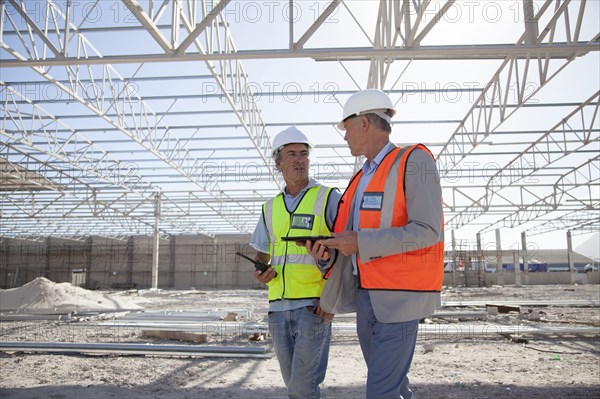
x=298, y=277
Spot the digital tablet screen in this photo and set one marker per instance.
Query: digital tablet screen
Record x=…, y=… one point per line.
x=305, y=238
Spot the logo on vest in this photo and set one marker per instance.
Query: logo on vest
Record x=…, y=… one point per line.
x=371, y=202
x=303, y=222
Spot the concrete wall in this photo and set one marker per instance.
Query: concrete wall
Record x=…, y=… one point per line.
x=185, y=262
x=22, y=261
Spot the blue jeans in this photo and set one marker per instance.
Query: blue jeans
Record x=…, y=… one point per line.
x=301, y=341
x=388, y=350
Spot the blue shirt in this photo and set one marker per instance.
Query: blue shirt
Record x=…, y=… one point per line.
x=260, y=240
x=368, y=170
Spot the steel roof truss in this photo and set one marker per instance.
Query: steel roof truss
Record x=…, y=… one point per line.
x=481, y=120
x=241, y=101
x=149, y=25
x=540, y=153
x=146, y=140
x=581, y=221
x=585, y=175
x=80, y=148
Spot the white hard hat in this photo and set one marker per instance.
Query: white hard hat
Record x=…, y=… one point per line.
x=291, y=135
x=368, y=101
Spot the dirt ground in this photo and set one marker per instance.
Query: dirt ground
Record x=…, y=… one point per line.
x=461, y=366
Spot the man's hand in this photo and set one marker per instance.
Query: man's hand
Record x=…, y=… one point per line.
x=327, y=317
x=316, y=249
x=266, y=276
x=345, y=242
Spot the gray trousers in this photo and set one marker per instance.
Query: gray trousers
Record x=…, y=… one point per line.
x=388, y=350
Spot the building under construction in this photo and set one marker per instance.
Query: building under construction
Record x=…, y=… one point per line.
x=136, y=144
x=116, y=155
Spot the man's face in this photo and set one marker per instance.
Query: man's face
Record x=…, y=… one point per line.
x=356, y=136
x=294, y=162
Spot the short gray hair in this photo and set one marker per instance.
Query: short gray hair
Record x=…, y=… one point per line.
x=379, y=122
x=277, y=152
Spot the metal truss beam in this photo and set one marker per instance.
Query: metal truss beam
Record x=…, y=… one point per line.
x=399, y=21
x=579, y=222
x=144, y=127
x=80, y=166
x=173, y=47
x=74, y=188
x=236, y=89
x=74, y=227
x=24, y=123
x=15, y=177
x=202, y=26
x=43, y=212
x=586, y=176
x=32, y=27
x=549, y=148
x=482, y=119
x=27, y=205
x=424, y=53
x=139, y=349
x=315, y=26
x=94, y=210
x=149, y=25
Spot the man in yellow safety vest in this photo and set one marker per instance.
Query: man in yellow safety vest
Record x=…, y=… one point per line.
x=301, y=331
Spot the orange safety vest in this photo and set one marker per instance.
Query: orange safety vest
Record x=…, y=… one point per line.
x=412, y=269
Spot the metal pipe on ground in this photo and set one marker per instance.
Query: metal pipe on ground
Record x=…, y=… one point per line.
x=136, y=349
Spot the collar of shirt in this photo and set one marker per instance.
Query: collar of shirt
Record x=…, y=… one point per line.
x=368, y=171
x=311, y=183
x=370, y=167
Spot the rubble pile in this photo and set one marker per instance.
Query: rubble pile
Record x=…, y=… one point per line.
x=42, y=296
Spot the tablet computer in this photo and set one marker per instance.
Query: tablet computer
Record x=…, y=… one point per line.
x=305, y=238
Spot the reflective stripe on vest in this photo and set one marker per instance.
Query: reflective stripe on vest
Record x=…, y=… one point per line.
x=384, y=206
x=297, y=275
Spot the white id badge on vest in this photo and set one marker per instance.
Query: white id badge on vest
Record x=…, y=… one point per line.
x=371, y=201
x=303, y=222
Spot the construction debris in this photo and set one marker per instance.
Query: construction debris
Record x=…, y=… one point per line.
x=504, y=308
x=42, y=296
x=516, y=338
x=231, y=316
x=428, y=348
x=534, y=315
x=257, y=337
x=492, y=310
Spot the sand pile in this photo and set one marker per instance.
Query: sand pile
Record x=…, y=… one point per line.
x=42, y=296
